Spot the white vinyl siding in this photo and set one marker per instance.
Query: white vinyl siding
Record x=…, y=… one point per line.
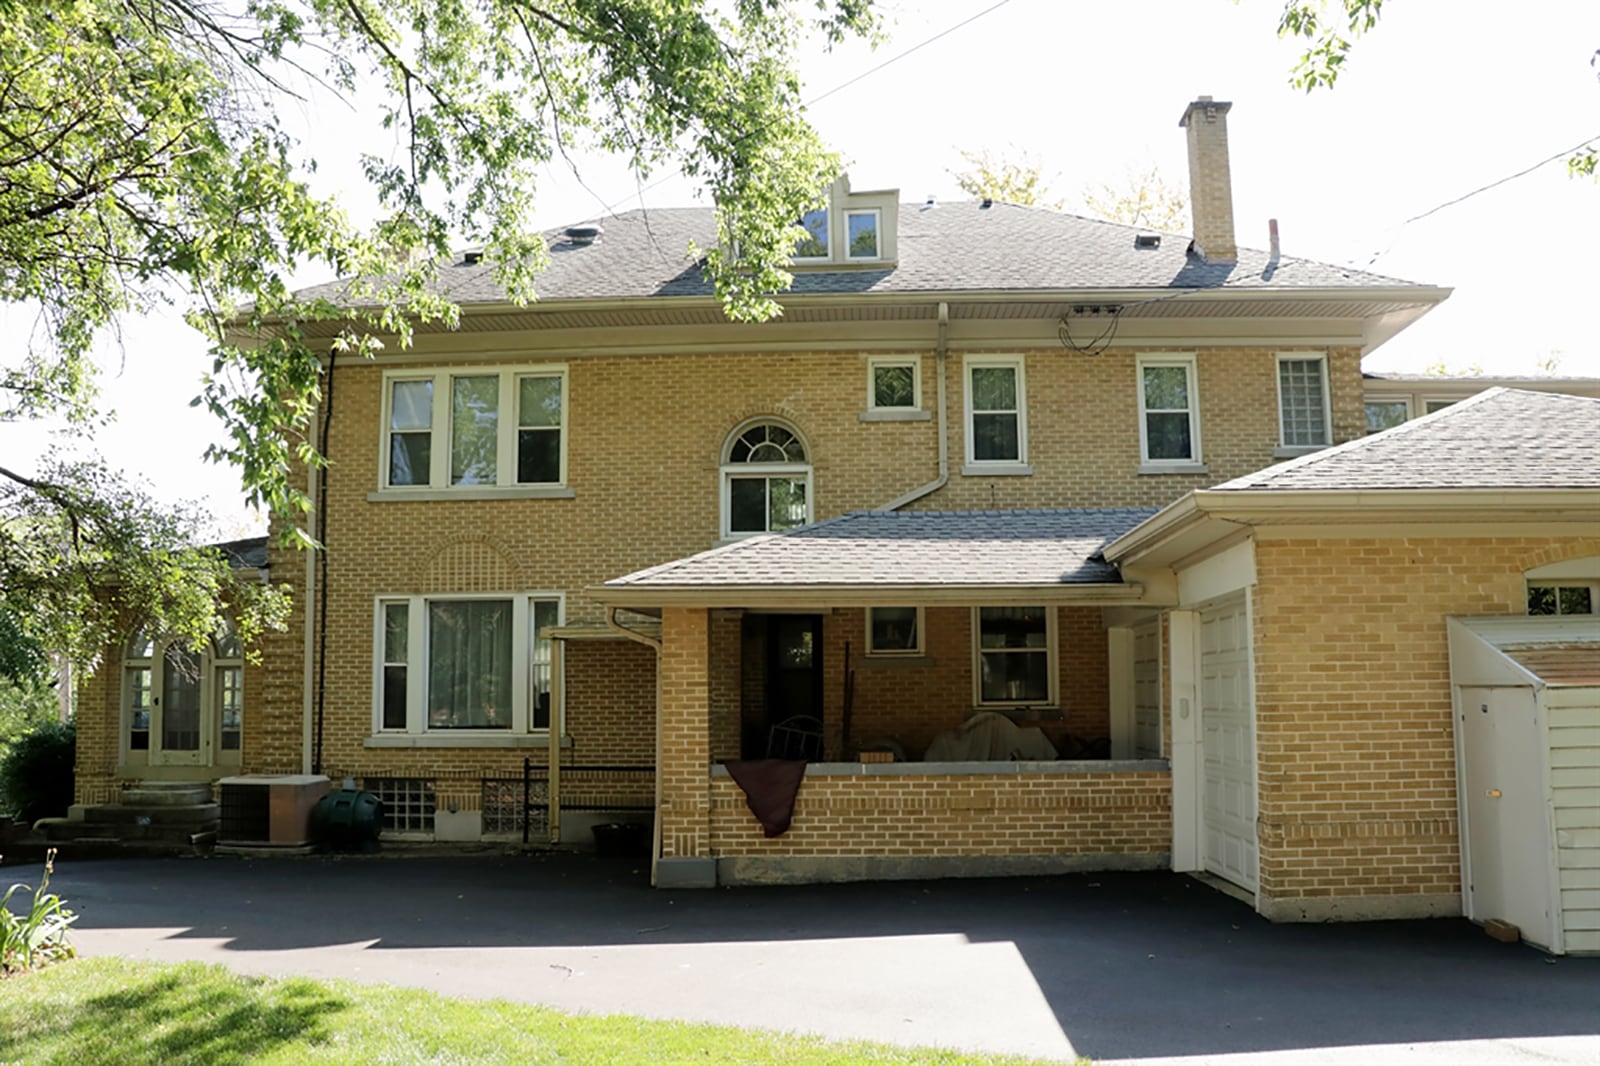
x=1574, y=731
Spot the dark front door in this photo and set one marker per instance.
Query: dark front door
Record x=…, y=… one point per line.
x=787, y=722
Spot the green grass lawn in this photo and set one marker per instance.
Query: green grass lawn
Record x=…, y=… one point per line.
x=90, y=1011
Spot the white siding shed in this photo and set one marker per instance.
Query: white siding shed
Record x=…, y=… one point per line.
x=1527, y=727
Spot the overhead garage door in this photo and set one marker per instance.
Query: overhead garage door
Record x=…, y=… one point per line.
x=1228, y=801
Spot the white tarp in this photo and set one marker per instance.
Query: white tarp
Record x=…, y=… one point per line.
x=989, y=737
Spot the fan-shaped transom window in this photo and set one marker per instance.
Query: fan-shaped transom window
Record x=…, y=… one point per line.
x=766, y=481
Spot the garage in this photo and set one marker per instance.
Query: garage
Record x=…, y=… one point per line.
x=1527, y=728
x=1228, y=778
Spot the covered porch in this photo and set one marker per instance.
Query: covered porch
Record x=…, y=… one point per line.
x=971, y=694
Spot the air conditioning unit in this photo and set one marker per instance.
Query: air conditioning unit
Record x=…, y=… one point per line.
x=269, y=810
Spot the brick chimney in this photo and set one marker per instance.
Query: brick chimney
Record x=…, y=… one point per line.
x=1210, y=183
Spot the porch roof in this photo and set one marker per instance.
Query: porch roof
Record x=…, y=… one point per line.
x=901, y=556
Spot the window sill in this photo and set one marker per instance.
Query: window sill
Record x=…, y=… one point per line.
x=875, y=661
x=1293, y=451
x=1173, y=468
x=448, y=740
x=997, y=470
x=896, y=414
x=508, y=492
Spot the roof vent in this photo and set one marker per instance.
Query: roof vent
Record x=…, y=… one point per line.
x=1147, y=240
x=584, y=235
x=472, y=257
x=988, y=201
x=931, y=204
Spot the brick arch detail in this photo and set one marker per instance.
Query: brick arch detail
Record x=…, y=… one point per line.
x=1562, y=552
x=470, y=564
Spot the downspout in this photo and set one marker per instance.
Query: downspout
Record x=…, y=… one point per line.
x=941, y=349
x=649, y=642
x=322, y=566
x=308, y=654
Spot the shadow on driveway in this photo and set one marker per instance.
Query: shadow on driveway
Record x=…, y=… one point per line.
x=1130, y=965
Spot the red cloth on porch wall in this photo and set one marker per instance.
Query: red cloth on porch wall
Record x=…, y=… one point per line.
x=770, y=786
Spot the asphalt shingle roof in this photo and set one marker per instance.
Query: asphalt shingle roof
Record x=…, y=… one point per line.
x=960, y=246
x=912, y=548
x=1498, y=439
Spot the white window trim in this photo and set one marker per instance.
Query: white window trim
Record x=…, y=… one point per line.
x=877, y=228
x=505, y=426
x=897, y=653
x=1018, y=363
x=1053, y=670
x=417, y=666
x=1285, y=449
x=1187, y=361
x=876, y=361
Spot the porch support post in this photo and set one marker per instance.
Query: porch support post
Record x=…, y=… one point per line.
x=1119, y=645
x=1183, y=636
x=683, y=768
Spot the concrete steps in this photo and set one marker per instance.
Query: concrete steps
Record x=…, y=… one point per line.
x=152, y=818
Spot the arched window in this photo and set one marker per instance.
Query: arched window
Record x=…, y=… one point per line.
x=766, y=481
x=183, y=709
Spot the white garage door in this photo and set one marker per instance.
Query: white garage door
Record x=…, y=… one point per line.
x=1228, y=797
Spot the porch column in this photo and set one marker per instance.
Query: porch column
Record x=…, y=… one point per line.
x=683, y=768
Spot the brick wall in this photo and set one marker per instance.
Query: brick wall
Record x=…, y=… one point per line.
x=645, y=438
x=956, y=814
x=1356, y=756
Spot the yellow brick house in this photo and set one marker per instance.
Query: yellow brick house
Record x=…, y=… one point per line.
x=622, y=541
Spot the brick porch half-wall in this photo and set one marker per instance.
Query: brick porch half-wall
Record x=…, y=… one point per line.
x=953, y=819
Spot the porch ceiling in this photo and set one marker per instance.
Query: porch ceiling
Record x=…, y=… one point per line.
x=880, y=557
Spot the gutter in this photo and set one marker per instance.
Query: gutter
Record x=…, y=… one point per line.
x=631, y=634
x=1277, y=506
x=818, y=596
x=941, y=350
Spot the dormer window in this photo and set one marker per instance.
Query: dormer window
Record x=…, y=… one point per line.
x=862, y=229
x=848, y=227
x=814, y=245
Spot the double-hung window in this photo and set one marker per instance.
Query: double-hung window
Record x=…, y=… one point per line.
x=1303, y=413
x=458, y=663
x=1564, y=597
x=997, y=423
x=1169, y=412
x=480, y=428
x=766, y=481
x=1014, y=651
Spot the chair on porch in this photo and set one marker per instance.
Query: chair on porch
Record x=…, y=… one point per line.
x=796, y=737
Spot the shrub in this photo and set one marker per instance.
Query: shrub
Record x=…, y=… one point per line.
x=39, y=936
x=36, y=774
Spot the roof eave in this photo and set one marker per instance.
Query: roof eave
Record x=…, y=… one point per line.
x=1207, y=516
x=818, y=596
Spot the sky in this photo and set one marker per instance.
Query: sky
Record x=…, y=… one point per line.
x=1440, y=100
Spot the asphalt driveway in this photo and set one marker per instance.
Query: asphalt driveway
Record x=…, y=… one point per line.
x=1141, y=967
